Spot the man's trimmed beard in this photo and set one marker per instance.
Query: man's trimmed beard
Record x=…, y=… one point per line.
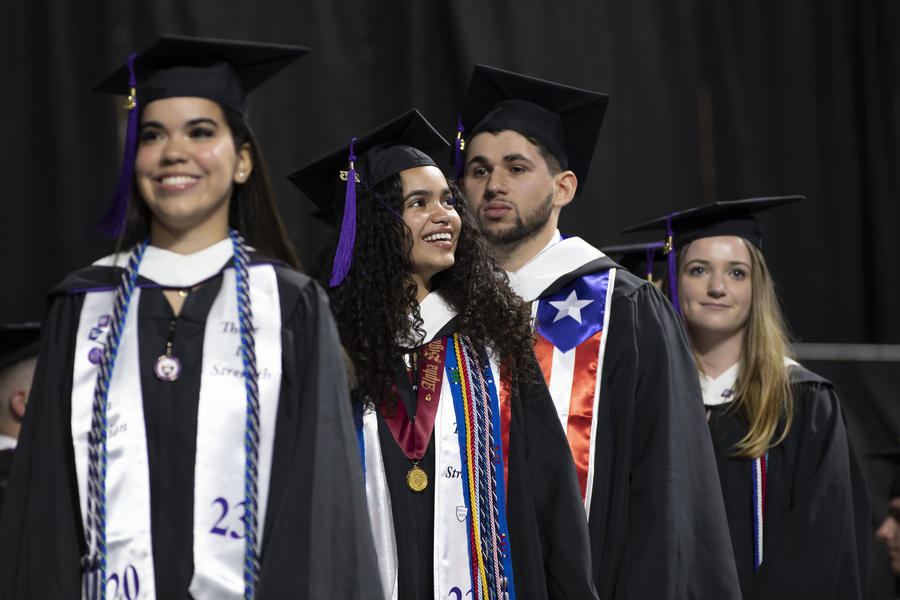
x=522, y=229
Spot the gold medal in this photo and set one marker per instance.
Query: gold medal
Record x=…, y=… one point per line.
x=416, y=478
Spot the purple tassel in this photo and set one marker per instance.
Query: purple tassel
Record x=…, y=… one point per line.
x=344, y=254
x=670, y=252
x=458, y=146
x=650, y=253
x=113, y=221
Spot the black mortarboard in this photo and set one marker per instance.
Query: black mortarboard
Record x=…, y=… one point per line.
x=892, y=455
x=565, y=120
x=405, y=142
x=18, y=342
x=224, y=71
x=726, y=217
x=639, y=258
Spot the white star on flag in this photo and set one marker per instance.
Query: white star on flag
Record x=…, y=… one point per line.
x=570, y=307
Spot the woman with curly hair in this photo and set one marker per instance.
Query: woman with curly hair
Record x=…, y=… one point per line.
x=189, y=426
x=470, y=485
x=796, y=502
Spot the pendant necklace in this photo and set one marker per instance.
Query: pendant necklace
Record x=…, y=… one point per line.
x=167, y=367
x=416, y=478
x=412, y=436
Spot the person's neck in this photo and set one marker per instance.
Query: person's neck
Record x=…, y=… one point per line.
x=512, y=257
x=423, y=288
x=10, y=428
x=715, y=354
x=186, y=242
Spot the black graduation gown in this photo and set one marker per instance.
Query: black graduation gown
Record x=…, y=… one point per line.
x=817, y=516
x=6, y=460
x=317, y=540
x=657, y=524
x=545, y=516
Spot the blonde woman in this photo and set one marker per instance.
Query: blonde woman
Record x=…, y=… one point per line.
x=797, y=506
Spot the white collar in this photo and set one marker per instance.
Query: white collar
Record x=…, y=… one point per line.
x=559, y=257
x=721, y=389
x=435, y=313
x=715, y=391
x=176, y=270
x=7, y=442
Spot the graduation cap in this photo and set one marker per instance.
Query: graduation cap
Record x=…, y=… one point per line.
x=725, y=217
x=638, y=258
x=892, y=455
x=565, y=120
x=335, y=178
x=18, y=342
x=223, y=71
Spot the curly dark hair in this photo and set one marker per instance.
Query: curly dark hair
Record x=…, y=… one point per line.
x=373, y=304
x=252, y=211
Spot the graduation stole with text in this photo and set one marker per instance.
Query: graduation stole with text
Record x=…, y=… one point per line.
x=570, y=348
x=220, y=483
x=471, y=436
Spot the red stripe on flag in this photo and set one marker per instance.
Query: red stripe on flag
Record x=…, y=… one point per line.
x=581, y=406
x=543, y=349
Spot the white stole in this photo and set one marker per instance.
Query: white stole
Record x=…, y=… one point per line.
x=451, y=558
x=219, y=462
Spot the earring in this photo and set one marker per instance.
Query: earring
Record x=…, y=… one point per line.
x=241, y=175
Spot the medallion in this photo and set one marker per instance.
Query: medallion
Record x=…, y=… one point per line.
x=416, y=478
x=167, y=367
x=412, y=437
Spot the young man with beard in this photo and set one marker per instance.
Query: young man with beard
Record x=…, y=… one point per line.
x=610, y=345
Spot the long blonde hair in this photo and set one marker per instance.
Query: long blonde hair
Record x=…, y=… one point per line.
x=762, y=390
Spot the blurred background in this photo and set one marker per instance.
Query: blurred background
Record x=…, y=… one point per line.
x=709, y=100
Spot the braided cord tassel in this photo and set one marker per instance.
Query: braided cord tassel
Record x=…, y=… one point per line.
x=95, y=559
x=251, y=436
x=478, y=474
x=484, y=464
x=475, y=544
x=494, y=550
x=759, y=466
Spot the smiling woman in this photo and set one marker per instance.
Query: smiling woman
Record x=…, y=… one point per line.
x=163, y=450
x=796, y=503
x=430, y=214
x=185, y=169
x=470, y=482
x=714, y=290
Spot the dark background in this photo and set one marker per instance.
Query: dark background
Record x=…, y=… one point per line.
x=710, y=99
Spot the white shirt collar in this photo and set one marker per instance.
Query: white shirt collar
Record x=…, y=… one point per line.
x=559, y=257
x=7, y=442
x=435, y=313
x=557, y=238
x=721, y=389
x=176, y=270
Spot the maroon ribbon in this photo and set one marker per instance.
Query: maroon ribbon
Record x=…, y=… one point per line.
x=413, y=437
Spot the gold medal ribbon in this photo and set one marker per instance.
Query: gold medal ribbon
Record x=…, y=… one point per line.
x=413, y=437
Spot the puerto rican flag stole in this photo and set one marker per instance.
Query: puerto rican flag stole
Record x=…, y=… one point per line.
x=571, y=326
